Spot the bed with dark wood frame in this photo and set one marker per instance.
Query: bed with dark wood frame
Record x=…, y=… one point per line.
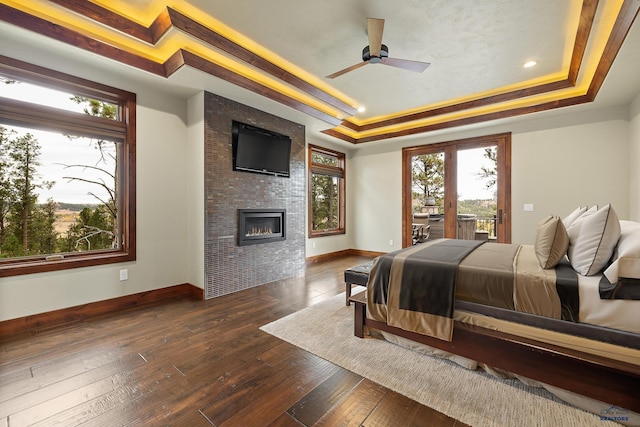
x=398, y=278
x=554, y=312
x=600, y=378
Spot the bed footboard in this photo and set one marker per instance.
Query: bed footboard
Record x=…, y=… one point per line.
x=600, y=378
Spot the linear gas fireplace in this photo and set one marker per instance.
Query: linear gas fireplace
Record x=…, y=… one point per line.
x=261, y=226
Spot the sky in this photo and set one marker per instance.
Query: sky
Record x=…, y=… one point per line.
x=470, y=185
x=58, y=150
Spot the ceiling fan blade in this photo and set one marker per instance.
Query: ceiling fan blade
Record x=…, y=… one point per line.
x=375, y=27
x=346, y=70
x=406, y=64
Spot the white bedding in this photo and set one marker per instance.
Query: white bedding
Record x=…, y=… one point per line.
x=617, y=314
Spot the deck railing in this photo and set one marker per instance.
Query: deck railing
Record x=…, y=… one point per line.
x=487, y=224
x=469, y=226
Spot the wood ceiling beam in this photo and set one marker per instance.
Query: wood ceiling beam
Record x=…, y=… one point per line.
x=170, y=18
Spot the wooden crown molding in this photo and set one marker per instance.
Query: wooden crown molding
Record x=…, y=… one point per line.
x=170, y=18
x=624, y=21
x=587, y=16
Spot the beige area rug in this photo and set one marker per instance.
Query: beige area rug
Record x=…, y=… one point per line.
x=473, y=397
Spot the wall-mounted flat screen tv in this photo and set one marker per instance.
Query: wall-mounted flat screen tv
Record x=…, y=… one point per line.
x=260, y=150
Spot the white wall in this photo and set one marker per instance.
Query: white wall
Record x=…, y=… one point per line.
x=557, y=164
x=634, y=160
x=591, y=152
x=559, y=169
x=328, y=244
x=376, y=200
x=162, y=250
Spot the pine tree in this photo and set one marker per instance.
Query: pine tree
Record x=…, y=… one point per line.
x=43, y=237
x=427, y=176
x=325, y=202
x=325, y=194
x=24, y=152
x=7, y=195
x=490, y=173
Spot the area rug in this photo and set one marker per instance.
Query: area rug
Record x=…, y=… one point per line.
x=473, y=397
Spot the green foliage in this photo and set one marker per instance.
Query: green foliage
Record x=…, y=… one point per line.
x=27, y=228
x=427, y=174
x=21, y=218
x=490, y=173
x=325, y=189
x=325, y=203
x=7, y=192
x=481, y=208
x=43, y=237
x=94, y=107
x=76, y=207
x=90, y=231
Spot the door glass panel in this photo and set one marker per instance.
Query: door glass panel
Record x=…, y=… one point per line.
x=427, y=177
x=477, y=193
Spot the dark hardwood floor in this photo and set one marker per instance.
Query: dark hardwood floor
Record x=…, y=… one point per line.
x=194, y=363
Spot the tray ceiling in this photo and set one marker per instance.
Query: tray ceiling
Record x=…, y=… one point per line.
x=281, y=50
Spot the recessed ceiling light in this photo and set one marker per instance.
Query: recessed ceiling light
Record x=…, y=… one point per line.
x=361, y=109
x=529, y=64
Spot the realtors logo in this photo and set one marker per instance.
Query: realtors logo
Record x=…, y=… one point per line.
x=614, y=414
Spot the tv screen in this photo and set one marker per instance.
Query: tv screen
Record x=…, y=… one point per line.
x=259, y=150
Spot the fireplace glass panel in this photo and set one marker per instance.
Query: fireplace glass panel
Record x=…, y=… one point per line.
x=260, y=226
x=256, y=227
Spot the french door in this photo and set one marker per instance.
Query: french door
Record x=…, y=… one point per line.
x=461, y=189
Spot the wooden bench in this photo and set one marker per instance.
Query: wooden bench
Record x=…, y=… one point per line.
x=360, y=311
x=358, y=275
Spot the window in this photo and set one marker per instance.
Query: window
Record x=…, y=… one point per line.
x=462, y=187
x=326, y=192
x=67, y=171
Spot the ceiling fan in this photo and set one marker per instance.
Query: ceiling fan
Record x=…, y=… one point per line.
x=377, y=53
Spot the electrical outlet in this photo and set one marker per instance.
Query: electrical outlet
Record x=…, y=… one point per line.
x=391, y=242
x=124, y=275
x=313, y=245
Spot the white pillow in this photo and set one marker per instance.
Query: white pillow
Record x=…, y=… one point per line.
x=572, y=219
x=592, y=240
x=627, y=262
x=569, y=219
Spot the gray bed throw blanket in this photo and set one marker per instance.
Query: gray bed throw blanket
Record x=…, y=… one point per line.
x=415, y=287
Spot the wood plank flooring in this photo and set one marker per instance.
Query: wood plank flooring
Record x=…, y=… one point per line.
x=196, y=363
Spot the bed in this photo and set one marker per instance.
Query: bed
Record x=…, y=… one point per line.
x=563, y=312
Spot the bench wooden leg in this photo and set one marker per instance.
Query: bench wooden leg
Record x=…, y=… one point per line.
x=358, y=319
x=347, y=292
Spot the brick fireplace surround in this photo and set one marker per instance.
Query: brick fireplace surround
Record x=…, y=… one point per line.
x=228, y=266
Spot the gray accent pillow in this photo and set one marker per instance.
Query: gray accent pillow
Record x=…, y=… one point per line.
x=552, y=241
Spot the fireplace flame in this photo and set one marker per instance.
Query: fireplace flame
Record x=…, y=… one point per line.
x=259, y=231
